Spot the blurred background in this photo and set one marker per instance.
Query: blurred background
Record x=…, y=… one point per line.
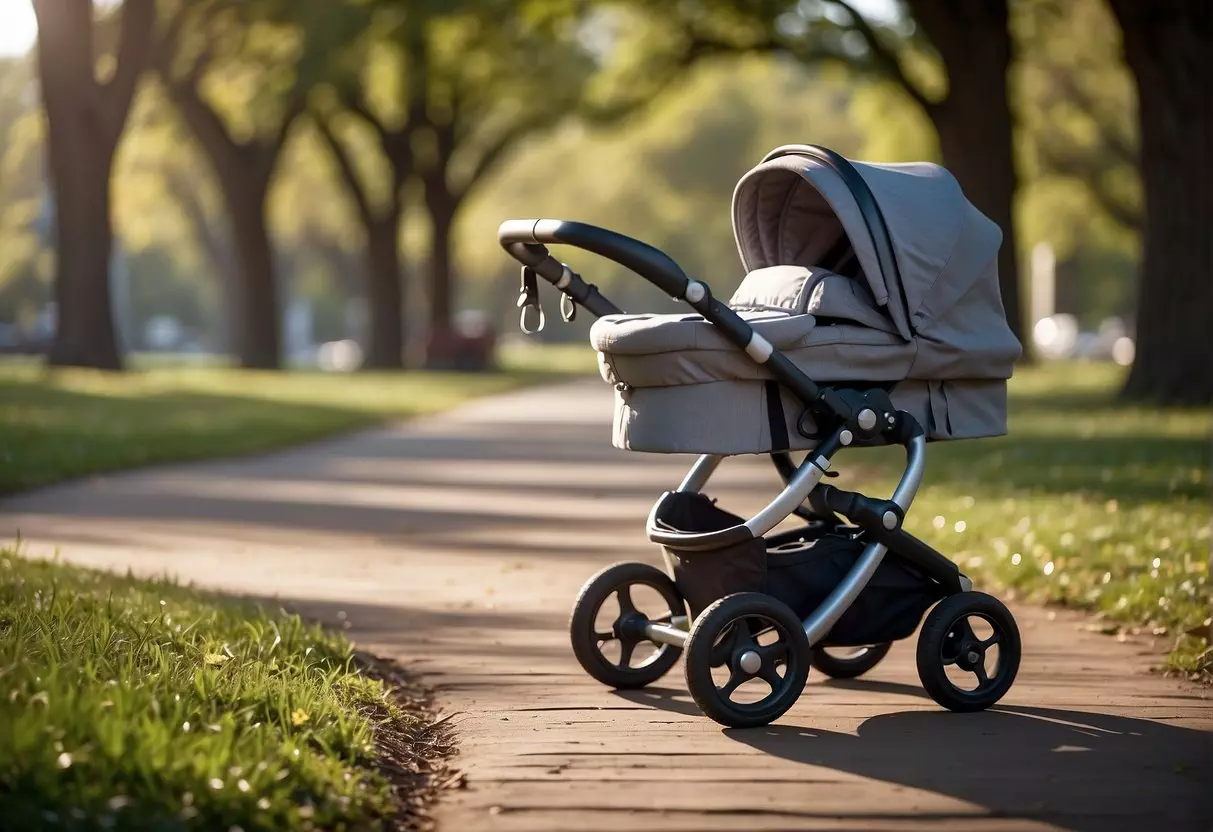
x=317, y=183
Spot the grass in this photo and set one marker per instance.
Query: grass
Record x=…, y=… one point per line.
x=130, y=704
x=1086, y=502
x=55, y=425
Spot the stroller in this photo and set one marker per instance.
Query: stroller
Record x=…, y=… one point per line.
x=870, y=315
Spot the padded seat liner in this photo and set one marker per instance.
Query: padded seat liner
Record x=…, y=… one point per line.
x=834, y=352
x=649, y=334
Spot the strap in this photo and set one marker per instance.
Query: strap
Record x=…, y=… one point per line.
x=775, y=417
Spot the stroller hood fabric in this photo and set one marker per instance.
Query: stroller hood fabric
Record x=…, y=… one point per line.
x=916, y=310
x=794, y=210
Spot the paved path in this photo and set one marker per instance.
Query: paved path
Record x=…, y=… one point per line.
x=456, y=544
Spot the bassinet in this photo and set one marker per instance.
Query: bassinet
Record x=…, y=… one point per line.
x=929, y=326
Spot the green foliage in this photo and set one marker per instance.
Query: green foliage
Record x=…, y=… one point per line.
x=1077, y=147
x=128, y=704
x=1085, y=502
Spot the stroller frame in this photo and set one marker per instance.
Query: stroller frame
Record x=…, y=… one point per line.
x=844, y=417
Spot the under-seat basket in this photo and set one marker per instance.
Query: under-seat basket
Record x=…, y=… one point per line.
x=801, y=568
x=802, y=574
x=704, y=576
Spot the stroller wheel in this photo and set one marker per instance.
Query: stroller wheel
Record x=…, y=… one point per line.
x=968, y=651
x=848, y=662
x=747, y=660
x=607, y=626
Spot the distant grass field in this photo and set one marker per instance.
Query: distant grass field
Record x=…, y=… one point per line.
x=1085, y=502
x=129, y=704
x=59, y=424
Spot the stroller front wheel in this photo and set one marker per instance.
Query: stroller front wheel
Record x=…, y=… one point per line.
x=606, y=634
x=968, y=651
x=747, y=660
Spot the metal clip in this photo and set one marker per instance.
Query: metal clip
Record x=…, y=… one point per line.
x=568, y=309
x=528, y=298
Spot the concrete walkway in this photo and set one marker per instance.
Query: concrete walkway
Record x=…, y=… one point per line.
x=457, y=544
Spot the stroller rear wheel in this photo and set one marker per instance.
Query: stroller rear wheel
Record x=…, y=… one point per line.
x=848, y=662
x=968, y=651
x=606, y=634
x=747, y=660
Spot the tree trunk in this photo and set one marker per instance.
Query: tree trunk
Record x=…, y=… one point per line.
x=975, y=123
x=384, y=294
x=1167, y=46
x=85, y=120
x=256, y=312
x=80, y=169
x=443, y=207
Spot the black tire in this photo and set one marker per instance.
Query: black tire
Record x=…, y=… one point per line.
x=627, y=629
x=861, y=660
x=948, y=639
x=726, y=631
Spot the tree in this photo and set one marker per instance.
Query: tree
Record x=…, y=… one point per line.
x=970, y=108
x=395, y=46
x=487, y=89
x=239, y=73
x=1167, y=44
x=86, y=115
x=242, y=148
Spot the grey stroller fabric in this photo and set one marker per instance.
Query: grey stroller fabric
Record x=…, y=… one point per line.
x=935, y=334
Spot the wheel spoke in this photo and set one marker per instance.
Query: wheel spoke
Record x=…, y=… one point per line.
x=769, y=675
x=991, y=641
x=742, y=637
x=601, y=637
x=980, y=672
x=774, y=652
x=626, y=607
x=626, y=646
x=736, y=677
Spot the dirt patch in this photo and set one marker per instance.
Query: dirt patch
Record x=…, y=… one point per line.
x=413, y=754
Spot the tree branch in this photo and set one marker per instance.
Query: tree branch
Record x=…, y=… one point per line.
x=886, y=60
x=396, y=144
x=497, y=149
x=345, y=165
x=134, y=47
x=1085, y=168
x=1112, y=139
x=184, y=193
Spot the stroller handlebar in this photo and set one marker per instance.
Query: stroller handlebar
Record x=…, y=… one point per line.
x=525, y=239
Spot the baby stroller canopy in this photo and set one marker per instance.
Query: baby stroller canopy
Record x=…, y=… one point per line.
x=938, y=282
x=859, y=274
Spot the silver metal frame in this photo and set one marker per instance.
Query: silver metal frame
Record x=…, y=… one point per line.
x=817, y=625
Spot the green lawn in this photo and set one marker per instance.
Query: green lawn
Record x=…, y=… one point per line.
x=66, y=423
x=128, y=704
x=1086, y=502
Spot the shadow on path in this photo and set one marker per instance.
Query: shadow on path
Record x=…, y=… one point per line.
x=1044, y=764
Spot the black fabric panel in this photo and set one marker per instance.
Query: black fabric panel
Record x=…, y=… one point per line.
x=888, y=609
x=703, y=577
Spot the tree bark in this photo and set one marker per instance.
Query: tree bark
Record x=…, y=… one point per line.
x=975, y=123
x=243, y=171
x=1167, y=45
x=85, y=120
x=256, y=309
x=385, y=295
x=443, y=208
x=84, y=333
